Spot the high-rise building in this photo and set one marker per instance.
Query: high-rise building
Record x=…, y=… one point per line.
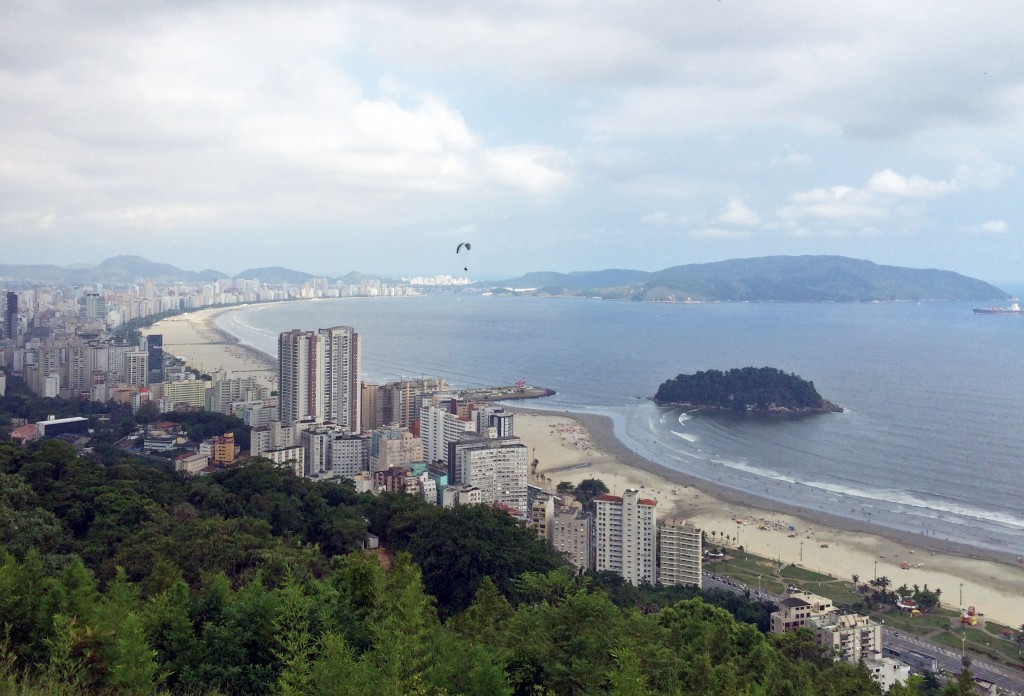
x=496, y=466
x=319, y=376
x=155, y=348
x=341, y=377
x=371, y=407
x=626, y=532
x=571, y=535
x=400, y=401
x=438, y=429
x=679, y=542
x=136, y=368
x=9, y=315
x=92, y=307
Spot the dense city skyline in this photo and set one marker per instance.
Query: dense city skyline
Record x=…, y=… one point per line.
x=332, y=137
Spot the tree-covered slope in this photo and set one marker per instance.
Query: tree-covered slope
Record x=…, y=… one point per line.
x=128, y=579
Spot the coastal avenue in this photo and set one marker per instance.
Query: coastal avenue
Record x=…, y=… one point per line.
x=949, y=660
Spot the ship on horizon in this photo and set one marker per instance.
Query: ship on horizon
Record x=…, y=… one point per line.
x=1012, y=309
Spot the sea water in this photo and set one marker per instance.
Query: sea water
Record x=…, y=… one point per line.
x=929, y=441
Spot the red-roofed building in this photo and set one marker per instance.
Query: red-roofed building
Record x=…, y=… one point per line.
x=626, y=536
x=25, y=433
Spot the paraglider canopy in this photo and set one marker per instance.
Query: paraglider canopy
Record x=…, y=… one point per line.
x=467, y=245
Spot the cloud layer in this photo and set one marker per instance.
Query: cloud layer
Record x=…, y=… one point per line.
x=309, y=133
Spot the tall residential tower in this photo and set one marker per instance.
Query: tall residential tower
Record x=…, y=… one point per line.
x=319, y=376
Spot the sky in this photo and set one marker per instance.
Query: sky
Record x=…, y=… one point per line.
x=556, y=135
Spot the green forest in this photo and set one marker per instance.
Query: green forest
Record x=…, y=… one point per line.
x=126, y=578
x=744, y=389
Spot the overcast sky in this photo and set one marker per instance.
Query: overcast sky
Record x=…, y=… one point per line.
x=552, y=135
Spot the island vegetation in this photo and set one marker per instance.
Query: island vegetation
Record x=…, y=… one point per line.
x=748, y=389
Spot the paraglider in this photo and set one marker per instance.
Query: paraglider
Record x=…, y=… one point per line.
x=458, y=249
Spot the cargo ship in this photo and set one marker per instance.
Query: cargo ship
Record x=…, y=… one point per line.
x=1012, y=309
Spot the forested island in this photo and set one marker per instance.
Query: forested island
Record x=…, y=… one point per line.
x=757, y=389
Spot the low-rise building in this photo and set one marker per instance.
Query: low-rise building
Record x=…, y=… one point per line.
x=797, y=608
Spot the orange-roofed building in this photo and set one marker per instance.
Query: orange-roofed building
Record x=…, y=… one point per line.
x=25, y=433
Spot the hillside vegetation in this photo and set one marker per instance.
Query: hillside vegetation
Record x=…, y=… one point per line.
x=130, y=580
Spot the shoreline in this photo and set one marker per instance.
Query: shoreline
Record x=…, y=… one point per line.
x=826, y=543
x=203, y=344
x=841, y=547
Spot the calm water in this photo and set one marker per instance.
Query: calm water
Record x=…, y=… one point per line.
x=934, y=395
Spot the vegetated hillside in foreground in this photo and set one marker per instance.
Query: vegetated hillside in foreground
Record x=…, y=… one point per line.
x=764, y=389
x=129, y=579
x=775, y=279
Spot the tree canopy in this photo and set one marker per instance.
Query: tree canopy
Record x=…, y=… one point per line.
x=744, y=389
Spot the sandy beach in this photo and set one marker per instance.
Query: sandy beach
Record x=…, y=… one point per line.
x=573, y=446
x=196, y=338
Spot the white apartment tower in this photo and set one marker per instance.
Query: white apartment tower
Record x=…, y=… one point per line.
x=496, y=466
x=319, y=376
x=439, y=428
x=679, y=542
x=626, y=535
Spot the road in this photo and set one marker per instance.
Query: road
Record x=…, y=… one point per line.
x=949, y=660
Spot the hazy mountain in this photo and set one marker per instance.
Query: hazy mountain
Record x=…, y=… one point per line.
x=766, y=279
x=275, y=275
x=129, y=269
x=810, y=279
x=578, y=280
x=112, y=271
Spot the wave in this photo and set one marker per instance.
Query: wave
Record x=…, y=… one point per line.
x=686, y=436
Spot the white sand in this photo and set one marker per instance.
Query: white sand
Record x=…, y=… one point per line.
x=561, y=444
x=195, y=337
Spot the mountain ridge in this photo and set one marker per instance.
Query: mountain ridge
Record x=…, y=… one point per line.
x=758, y=279
x=768, y=279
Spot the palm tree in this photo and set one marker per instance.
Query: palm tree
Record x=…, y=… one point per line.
x=856, y=578
x=1018, y=638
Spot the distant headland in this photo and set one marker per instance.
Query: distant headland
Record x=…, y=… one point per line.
x=748, y=389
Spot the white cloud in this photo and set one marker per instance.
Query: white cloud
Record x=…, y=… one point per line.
x=736, y=213
x=890, y=183
x=539, y=170
x=993, y=227
x=835, y=203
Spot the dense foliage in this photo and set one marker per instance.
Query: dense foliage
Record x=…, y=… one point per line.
x=749, y=388
x=129, y=579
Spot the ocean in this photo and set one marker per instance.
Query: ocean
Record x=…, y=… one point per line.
x=929, y=441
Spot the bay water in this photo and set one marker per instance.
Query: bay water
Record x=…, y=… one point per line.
x=930, y=440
